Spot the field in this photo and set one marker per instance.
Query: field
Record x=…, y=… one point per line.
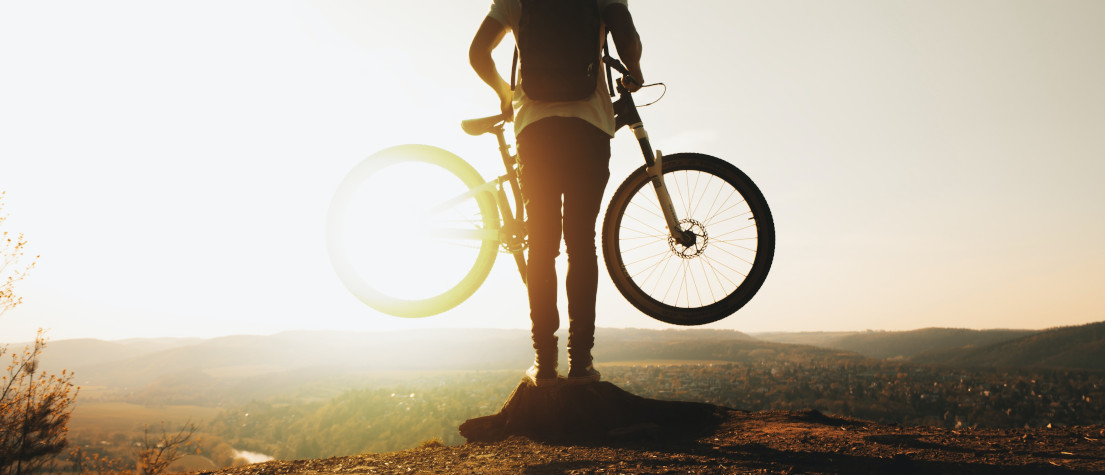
x=114, y=417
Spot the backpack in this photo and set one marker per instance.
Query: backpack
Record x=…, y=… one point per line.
x=558, y=41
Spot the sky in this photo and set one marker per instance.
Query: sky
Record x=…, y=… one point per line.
x=928, y=163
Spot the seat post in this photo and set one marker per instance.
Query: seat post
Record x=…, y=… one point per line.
x=504, y=149
x=511, y=165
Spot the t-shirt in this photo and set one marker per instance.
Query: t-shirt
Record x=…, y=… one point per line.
x=597, y=110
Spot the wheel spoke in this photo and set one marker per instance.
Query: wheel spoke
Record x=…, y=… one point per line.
x=727, y=243
x=649, y=226
x=702, y=263
x=695, y=285
x=694, y=207
x=653, y=209
x=664, y=253
x=721, y=275
x=722, y=264
x=641, y=246
x=737, y=230
x=709, y=220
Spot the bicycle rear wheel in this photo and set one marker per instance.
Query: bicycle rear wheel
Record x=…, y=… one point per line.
x=413, y=230
x=702, y=283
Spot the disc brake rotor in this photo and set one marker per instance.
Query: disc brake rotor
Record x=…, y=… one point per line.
x=694, y=250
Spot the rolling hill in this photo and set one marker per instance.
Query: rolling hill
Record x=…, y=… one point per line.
x=906, y=344
x=242, y=367
x=235, y=368
x=896, y=344
x=1077, y=347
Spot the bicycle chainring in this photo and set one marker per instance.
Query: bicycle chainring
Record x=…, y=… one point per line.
x=512, y=240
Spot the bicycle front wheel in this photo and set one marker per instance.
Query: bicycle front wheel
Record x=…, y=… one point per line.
x=413, y=230
x=709, y=280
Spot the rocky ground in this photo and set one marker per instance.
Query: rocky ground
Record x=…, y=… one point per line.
x=648, y=436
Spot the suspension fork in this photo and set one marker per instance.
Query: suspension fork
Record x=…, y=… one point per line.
x=625, y=114
x=654, y=168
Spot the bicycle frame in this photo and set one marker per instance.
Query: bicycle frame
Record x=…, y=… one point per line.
x=512, y=233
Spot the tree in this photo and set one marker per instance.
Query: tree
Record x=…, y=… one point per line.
x=34, y=405
x=11, y=251
x=155, y=453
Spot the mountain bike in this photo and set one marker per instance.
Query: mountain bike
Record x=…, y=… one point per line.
x=413, y=230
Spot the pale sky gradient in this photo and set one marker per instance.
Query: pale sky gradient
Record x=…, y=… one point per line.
x=928, y=163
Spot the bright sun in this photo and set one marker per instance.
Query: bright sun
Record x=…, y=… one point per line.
x=404, y=228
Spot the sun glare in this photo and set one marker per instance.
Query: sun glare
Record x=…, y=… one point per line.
x=406, y=230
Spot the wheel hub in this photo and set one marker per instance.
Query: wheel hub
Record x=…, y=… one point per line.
x=694, y=244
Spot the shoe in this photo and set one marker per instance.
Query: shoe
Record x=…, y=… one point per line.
x=588, y=374
x=542, y=376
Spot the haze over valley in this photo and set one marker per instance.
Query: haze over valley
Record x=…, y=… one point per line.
x=321, y=394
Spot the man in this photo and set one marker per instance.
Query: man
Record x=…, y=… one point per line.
x=564, y=148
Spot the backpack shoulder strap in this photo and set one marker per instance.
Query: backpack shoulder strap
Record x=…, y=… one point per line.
x=605, y=54
x=514, y=70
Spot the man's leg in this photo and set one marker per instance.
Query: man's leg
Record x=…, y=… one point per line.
x=536, y=148
x=582, y=200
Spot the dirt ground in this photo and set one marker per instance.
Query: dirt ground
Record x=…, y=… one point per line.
x=747, y=442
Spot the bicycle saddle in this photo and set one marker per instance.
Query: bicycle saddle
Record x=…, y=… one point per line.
x=482, y=125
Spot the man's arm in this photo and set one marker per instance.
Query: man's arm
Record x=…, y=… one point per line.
x=626, y=40
x=489, y=35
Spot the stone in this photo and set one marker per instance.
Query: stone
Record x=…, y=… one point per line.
x=589, y=412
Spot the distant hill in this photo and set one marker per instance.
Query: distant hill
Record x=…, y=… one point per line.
x=314, y=352
x=132, y=363
x=906, y=344
x=1078, y=347
x=897, y=344
x=242, y=367
x=82, y=353
x=820, y=339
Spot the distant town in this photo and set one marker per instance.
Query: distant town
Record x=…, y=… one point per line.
x=884, y=392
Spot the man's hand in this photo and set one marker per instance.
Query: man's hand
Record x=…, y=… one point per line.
x=506, y=101
x=633, y=81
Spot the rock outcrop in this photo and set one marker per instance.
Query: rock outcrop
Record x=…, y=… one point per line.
x=590, y=412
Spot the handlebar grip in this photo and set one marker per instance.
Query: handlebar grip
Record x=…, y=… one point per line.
x=617, y=65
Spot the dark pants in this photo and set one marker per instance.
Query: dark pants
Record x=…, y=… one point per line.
x=565, y=165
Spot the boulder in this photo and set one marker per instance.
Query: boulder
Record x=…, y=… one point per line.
x=589, y=412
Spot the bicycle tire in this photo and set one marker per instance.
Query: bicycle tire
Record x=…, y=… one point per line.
x=480, y=232
x=735, y=234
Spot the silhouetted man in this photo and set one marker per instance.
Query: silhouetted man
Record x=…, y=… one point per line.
x=564, y=148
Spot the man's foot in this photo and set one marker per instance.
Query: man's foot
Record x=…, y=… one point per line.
x=542, y=376
x=588, y=374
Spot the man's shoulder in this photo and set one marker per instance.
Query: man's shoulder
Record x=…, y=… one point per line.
x=505, y=11
x=506, y=4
